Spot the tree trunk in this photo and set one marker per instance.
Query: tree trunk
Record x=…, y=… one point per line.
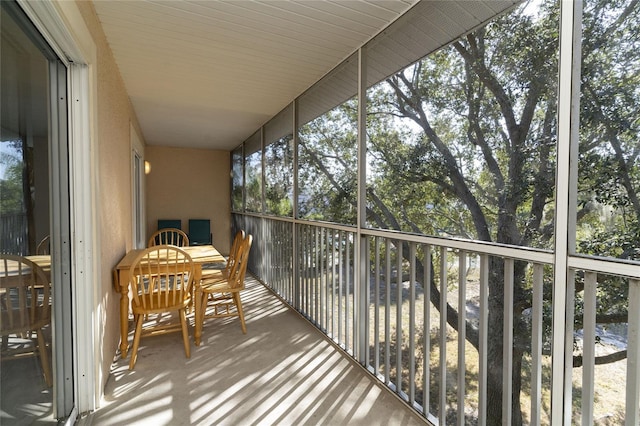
x=495, y=344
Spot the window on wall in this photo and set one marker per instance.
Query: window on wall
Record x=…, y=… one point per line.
x=462, y=142
x=253, y=173
x=608, y=203
x=236, y=180
x=327, y=150
x=278, y=158
x=137, y=191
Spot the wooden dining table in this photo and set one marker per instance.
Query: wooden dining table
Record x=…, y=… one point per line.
x=42, y=260
x=201, y=255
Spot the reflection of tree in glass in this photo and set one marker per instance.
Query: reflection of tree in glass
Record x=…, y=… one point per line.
x=11, y=181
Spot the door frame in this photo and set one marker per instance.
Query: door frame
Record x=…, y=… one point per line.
x=138, y=216
x=63, y=27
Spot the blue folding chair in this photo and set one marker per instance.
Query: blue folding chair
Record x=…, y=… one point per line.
x=200, y=232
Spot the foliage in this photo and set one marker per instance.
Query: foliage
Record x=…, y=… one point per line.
x=253, y=182
x=609, y=219
x=463, y=143
x=279, y=177
x=328, y=166
x=236, y=180
x=11, y=185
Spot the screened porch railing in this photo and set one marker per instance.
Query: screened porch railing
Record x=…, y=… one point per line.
x=415, y=312
x=14, y=233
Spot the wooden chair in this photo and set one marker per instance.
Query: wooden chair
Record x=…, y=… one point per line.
x=218, y=274
x=223, y=293
x=25, y=307
x=169, y=236
x=161, y=281
x=44, y=246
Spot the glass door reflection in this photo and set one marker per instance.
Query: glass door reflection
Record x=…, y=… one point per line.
x=28, y=112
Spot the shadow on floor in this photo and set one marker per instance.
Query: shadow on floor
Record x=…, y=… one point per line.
x=283, y=371
x=25, y=398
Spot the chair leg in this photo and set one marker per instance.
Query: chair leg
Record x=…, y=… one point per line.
x=236, y=299
x=136, y=341
x=44, y=358
x=200, y=311
x=185, y=332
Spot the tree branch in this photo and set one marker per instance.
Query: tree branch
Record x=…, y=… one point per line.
x=619, y=154
x=448, y=160
x=601, y=360
x=477, y=64
x=476, y=135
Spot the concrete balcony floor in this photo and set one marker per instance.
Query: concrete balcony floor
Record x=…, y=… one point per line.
x=283, y=371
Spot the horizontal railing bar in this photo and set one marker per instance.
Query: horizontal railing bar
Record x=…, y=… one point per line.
x=615, y=267
x=479, y=247
x=266, y=216
x=328, y=225
x=619, y=267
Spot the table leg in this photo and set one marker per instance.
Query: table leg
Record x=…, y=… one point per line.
x=197, y=334
x=124, y=312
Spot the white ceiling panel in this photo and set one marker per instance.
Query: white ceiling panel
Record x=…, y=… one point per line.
x=207, y=74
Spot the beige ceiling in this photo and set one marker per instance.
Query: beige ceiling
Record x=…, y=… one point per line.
x=207, y=74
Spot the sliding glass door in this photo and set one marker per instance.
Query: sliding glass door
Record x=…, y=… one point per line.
x=36, y=381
